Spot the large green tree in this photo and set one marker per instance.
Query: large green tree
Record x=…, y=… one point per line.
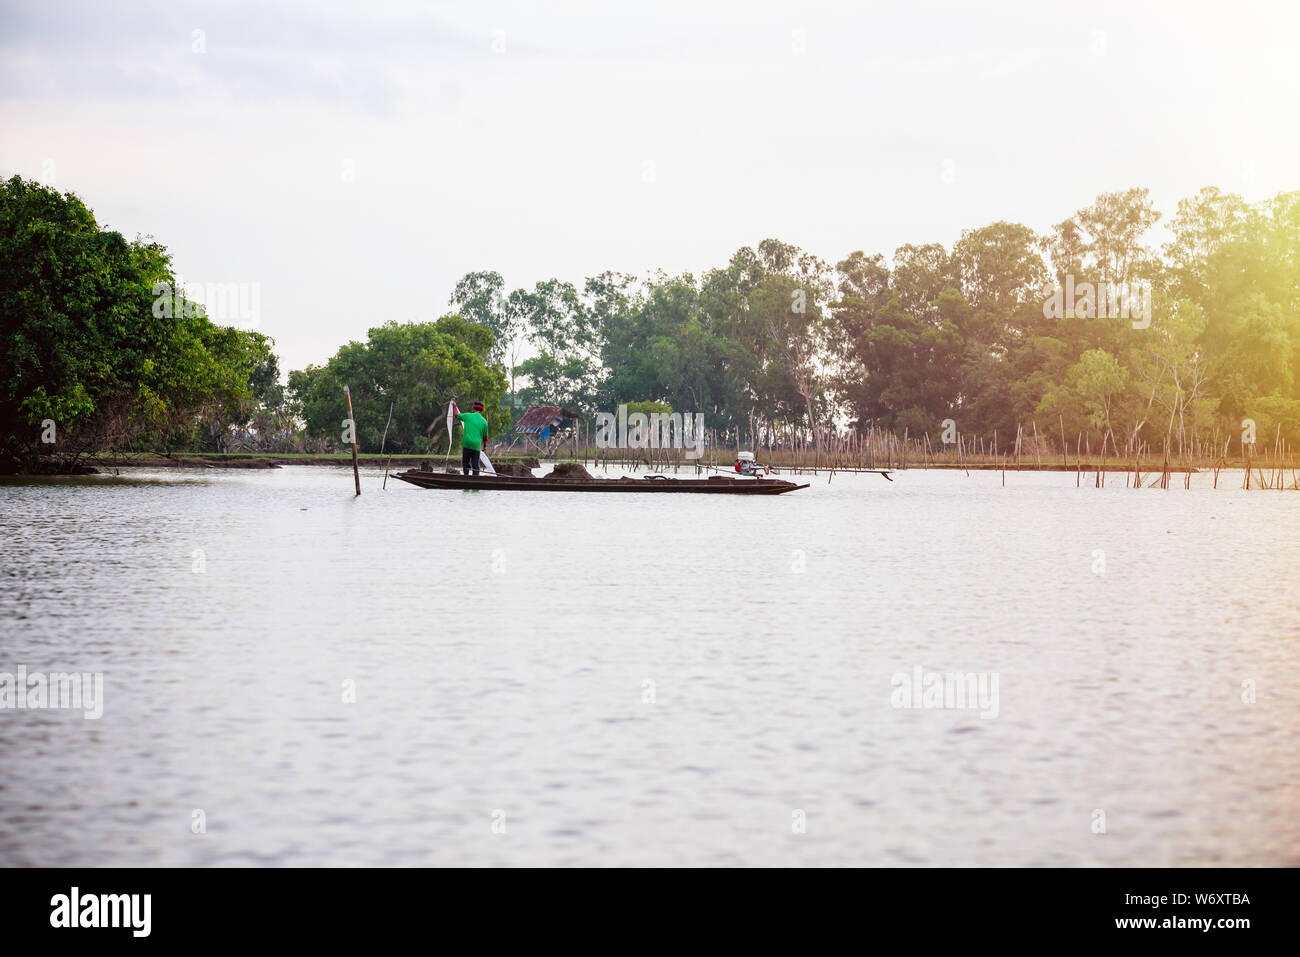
x=98, y=350
x=901, y=335
x=480, y=297
x=416, y=368
x=562, y=328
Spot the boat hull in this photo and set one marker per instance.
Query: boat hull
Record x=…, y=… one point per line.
x=517, y=483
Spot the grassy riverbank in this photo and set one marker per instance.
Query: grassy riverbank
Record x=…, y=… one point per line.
x=253, y=460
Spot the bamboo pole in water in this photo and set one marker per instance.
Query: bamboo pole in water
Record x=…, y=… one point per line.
x=1277, y=455
x=356, y=472
x=385, y=439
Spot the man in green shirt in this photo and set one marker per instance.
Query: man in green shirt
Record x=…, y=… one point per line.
x=473, y=434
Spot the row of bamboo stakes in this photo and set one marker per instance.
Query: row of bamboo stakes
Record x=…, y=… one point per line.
x=793, y=450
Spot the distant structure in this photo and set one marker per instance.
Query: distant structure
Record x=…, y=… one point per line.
x=546, y=427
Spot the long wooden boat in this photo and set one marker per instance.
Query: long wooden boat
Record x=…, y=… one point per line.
x=716, y=485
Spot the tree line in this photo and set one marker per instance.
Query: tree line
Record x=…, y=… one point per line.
x=1004, y=328
x=1203, y=347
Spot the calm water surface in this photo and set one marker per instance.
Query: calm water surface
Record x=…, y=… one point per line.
x=619, y=679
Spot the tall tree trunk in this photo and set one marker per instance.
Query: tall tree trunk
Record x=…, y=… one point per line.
x=808, y=404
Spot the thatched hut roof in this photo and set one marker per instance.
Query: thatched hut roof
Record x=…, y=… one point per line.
x=543, y=418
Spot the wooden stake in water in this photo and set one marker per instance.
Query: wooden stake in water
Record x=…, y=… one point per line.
x=385, y=439
x=356, y=472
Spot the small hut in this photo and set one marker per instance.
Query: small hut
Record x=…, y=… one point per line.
x=546, y=427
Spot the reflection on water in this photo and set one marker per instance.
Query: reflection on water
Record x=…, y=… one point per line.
x=429, y=677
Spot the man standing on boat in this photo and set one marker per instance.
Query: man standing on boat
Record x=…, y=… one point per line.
x=473, y=434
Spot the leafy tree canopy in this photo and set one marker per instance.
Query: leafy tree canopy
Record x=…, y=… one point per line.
x=417, y=368
x=89, y=358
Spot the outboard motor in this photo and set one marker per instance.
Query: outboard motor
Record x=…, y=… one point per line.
x=746, y=465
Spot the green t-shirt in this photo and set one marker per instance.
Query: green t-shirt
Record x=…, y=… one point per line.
x=475, y=431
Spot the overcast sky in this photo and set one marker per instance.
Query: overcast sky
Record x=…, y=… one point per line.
x=356, y=158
